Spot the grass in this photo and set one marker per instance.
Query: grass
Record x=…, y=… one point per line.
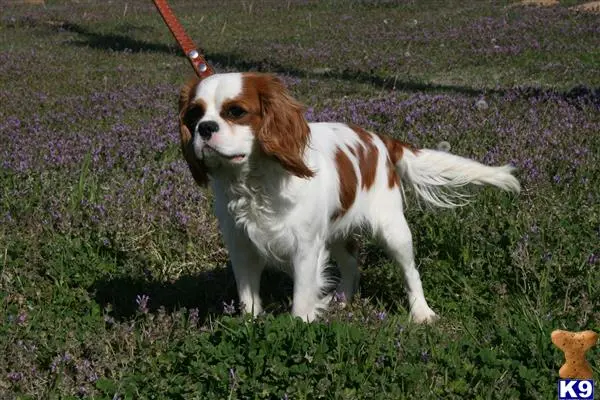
x=113, y=278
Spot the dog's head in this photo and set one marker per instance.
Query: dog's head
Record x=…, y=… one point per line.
x=228, y=119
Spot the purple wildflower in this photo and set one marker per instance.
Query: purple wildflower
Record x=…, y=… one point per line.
x=229, y=309
x=54, y=364
x=22, y=318
x=232, y=378
x=66, y=358
x=425, y=356
x=8, y=217
x=15, y=376
x=339, y=297
x=142, y=302
x=92, y=377
x=194, y=316
x=381, y=315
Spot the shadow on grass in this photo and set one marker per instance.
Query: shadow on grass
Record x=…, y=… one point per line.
x=119, y=42
x=210, y=290
x=207, y=291
x=123, y=42
x=114, y=41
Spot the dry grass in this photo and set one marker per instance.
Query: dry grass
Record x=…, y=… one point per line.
x=591, y=7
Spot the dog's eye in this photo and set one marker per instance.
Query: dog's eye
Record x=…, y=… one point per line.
x=236, y=112
x=192, y=116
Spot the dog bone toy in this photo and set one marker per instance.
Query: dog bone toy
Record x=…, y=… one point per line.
x=575, y=345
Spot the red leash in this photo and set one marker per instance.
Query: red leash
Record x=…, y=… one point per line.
x=192, y=52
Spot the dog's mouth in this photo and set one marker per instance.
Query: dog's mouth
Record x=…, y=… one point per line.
x=234, y=158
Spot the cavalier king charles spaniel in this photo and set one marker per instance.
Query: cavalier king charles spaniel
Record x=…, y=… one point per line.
x=292, y=194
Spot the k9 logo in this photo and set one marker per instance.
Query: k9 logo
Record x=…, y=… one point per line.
x=575, y=389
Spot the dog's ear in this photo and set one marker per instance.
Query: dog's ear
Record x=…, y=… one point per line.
x=284, y=132
x=187, y=112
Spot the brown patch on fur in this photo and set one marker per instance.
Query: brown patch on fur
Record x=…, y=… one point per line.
x=196, y=166
x=348, y=182
x=395, y=150
x=277, y=120
x=394, y=147
x=393, y=178
x=250, y=101
x=367, y=157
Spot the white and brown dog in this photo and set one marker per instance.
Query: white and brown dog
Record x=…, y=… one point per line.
x=291, y=193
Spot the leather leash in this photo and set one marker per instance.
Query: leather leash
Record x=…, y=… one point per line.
x=192, y=52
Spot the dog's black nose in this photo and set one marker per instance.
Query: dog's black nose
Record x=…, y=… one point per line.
x=207, y=128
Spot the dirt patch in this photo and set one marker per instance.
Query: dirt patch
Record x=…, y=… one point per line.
x=591, y=7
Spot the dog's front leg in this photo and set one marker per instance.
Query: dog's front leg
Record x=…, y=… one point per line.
x=309, y=265
x=247, y=266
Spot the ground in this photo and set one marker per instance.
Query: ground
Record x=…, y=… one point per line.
x=113, y=277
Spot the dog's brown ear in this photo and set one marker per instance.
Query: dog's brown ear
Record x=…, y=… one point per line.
x=187, y=109
x=284, y=132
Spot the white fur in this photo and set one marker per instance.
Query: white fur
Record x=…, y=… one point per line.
x=269, y=216
x=436, y=176
x=232, y=139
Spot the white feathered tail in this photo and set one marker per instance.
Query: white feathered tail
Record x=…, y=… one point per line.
x=437, y=176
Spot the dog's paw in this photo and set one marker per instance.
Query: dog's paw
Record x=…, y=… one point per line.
x=424, y=315
x=307, y=316
x=255, y=309
x=310, y=312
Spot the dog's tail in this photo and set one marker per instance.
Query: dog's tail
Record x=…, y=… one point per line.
x=438, y=177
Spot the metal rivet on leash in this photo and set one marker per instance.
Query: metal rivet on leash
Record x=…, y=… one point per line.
x=193, y=52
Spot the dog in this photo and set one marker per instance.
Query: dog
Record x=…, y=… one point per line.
x=292, y=194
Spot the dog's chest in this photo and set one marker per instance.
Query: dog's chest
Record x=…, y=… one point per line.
x=267, y=228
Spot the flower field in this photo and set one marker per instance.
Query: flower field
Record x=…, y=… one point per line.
x=114, y=282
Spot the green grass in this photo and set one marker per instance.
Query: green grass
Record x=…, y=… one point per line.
x=97, y=206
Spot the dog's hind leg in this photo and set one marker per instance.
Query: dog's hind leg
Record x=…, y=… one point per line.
x=345, y=253
x=393, y=231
